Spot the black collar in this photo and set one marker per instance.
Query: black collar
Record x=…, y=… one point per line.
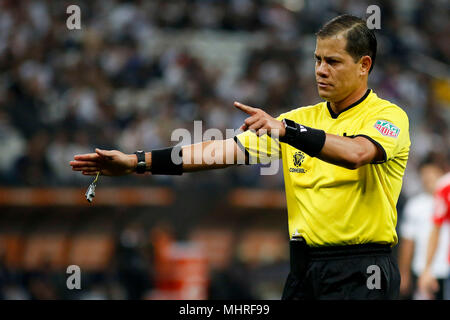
x=335, y=115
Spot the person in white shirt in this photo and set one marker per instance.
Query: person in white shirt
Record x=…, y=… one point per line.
x=415, y=229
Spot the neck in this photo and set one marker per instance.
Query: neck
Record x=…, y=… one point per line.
x=338, y=106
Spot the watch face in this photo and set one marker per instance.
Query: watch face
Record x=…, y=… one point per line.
x=140, y=155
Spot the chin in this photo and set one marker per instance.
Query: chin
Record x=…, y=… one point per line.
x=326, y=95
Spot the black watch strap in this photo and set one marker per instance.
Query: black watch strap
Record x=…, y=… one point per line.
x=141, y=165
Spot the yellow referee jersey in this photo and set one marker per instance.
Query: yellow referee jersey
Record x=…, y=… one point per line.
x=332, y=205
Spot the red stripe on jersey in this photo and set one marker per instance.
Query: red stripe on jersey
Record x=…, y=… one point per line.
x=442, y=200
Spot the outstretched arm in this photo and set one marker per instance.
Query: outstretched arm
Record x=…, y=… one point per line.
x=207, y=155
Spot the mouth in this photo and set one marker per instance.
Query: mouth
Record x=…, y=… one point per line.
x=323, y=84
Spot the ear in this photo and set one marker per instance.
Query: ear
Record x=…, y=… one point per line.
x=365, y=64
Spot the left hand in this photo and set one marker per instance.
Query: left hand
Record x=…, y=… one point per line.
x=260, y=121
x=428, y=284
x=107, y=162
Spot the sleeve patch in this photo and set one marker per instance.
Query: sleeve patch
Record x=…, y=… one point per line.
x=387, y=129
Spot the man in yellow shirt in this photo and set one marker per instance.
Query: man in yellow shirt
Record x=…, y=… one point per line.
x=343, y=162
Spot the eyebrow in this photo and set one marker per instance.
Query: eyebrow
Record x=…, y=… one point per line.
x=328, y=57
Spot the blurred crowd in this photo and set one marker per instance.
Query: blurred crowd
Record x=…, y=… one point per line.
x=137, y=70
x=110, y=85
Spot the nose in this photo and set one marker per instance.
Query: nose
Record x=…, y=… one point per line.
x=322, y=70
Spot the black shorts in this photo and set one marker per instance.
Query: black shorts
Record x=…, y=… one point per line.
x=349, y=272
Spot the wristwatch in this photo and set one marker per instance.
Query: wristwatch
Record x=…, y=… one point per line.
x=141, y=165
x=291, y=130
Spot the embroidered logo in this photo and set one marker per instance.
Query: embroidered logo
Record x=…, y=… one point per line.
x=387, y=129
x=299, y=157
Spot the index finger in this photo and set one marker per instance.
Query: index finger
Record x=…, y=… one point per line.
x=87, y=157
x=245, y=108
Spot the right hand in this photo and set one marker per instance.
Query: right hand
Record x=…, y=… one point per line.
x=108, y=162
x=260, y=121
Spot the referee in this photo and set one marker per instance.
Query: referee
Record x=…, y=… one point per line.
x=343, y=162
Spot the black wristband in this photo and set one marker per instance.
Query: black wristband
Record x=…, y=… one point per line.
x=167, y=161
x=306, y=139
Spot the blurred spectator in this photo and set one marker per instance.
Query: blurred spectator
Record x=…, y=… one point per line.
x=230, y=284
x=33, y=169
x=10, y=282
x=427, y=282
x=12, y=145
x=132, y=268
x=42, y=283
x=415, y=232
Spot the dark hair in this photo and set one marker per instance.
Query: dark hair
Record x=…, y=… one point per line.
x=433, y=158
x=361, y=40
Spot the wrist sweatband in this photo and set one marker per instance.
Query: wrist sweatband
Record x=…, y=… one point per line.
x=167, y=161
x=306, y=139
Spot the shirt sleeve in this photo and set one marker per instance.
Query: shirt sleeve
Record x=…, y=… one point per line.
x=441, y=210
x=262, y=149
x=388, y=130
